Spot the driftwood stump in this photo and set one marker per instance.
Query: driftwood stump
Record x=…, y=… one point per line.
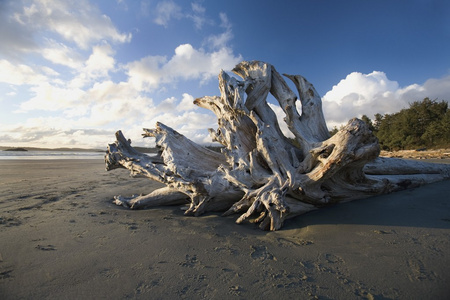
x=260, y=173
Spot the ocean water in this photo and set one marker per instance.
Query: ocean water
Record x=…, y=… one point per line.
x=50, y=155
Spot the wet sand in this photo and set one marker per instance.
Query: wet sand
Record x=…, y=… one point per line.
x=62, y=238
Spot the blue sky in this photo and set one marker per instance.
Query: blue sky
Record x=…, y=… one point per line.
x=74, y=72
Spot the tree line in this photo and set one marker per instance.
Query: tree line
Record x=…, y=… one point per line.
x=425, y=124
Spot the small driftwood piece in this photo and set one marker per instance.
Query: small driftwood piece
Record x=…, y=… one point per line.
x=260, y=174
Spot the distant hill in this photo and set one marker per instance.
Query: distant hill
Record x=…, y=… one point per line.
x=9, y=148
x=15, y=149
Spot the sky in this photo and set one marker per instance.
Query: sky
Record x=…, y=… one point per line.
x=72, y=73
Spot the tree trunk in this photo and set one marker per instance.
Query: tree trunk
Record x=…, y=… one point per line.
x=260, y=173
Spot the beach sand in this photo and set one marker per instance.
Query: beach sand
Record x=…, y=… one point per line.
x=62, y=238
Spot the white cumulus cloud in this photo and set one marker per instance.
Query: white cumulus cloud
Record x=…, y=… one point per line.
x=187, y=103
x=59, y=53
x=19, y=74
x=51, y=98
x=186, y=64
x=100, y=62
x=75, y=21
x=373, y=93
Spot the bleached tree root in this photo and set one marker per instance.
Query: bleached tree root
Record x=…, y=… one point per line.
x=260, y=173
x=159, y=197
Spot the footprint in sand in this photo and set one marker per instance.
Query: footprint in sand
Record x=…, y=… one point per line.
x=190, y=262
x=331, y=258
x=46, y=248
x=10, y=221
x=293, y=242
x=236, y=290
x=418, y=271
x=330, y=263
x=383, y=232
x=130, y=225
x=5, y=274
x=261, y=253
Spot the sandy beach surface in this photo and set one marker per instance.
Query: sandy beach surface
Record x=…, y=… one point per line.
x=62, y=238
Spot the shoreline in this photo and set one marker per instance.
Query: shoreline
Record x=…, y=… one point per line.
x=63, y=238
x=435, y=154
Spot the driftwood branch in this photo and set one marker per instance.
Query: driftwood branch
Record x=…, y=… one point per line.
x=260, y=173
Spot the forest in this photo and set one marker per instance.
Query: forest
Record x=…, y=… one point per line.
x=425, y=124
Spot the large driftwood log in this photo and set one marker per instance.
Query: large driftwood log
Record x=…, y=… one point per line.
x=260, y=173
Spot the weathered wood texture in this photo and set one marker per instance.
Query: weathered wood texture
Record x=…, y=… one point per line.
x=260, y=173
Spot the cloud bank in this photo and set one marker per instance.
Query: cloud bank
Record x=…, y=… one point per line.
x=78, y=94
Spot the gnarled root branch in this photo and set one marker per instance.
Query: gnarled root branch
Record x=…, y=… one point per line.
x=260, y=173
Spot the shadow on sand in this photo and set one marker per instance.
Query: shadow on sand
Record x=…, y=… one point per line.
x=427, y=207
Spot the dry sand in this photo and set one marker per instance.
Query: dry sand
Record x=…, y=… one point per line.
x=62, y=238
